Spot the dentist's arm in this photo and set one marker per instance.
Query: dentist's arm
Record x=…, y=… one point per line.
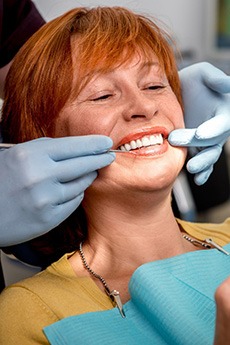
x=43, y=181
x=206, y=97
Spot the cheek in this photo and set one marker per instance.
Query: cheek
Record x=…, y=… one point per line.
x=179, y=119
x=175, y=112
x=74, y=122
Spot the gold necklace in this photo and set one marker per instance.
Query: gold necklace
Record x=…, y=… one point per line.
x=114, y=295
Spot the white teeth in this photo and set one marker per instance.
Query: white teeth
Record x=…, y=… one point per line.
x=127, y=147
x=156, y=139
x=133, y=144
x=139, y=143
x=146, y=142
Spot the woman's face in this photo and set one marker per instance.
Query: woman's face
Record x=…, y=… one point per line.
x=135, y=106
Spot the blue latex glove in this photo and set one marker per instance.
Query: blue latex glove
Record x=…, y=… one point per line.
x=43, y=181
x=207, y=117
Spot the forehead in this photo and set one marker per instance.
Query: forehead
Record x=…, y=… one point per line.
x=143, y=64
x=106, y=58
x=138, y=60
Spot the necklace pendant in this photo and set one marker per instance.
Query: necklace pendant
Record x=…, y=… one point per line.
x=115, y=296
x=215, y=245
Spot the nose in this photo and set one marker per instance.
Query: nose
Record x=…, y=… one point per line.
x=138, y=105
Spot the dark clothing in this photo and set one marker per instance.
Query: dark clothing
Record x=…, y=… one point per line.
x=19, y=19
x=216, y=190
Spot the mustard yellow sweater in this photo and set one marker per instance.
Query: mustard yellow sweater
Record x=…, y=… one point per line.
x=28, y=306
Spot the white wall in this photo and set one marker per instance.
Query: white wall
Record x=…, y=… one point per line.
x=186, y=18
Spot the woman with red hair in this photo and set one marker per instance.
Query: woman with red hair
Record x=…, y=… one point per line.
x=112, y=72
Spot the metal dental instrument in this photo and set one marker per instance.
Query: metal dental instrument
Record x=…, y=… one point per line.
x=119, y=151
x=7, y=146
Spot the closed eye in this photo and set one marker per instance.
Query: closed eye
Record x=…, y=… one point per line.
x=156, y=87
x=101, y=98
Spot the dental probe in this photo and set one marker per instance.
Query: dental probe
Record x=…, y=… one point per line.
x=7, y=146
x=120, y=151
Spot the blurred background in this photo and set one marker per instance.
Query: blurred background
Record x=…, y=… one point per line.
x=200, y=28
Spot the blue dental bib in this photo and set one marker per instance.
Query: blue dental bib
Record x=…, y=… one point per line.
x=172, y=302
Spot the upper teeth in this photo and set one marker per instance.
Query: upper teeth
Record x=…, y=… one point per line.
x=156, y=139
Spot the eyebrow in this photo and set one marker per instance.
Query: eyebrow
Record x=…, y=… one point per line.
x=149, y=64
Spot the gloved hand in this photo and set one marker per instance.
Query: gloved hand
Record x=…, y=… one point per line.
x=43, y=181
x=207, y=117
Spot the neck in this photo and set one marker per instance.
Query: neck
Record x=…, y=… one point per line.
x=146, y=224
x=126, y=233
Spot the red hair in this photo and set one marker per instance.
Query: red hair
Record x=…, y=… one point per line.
x=53, y=66
x=76, y=44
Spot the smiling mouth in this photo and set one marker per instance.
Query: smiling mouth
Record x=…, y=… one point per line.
x=147, y=140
